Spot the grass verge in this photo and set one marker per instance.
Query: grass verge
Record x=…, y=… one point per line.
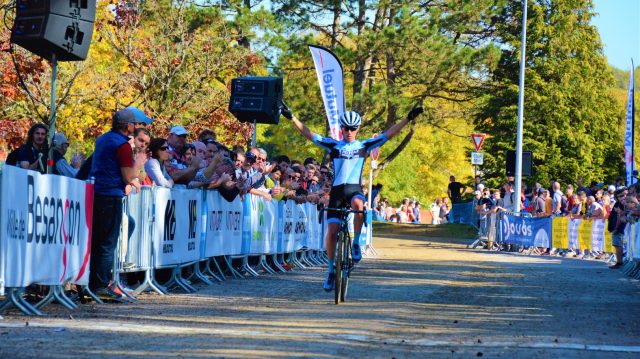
x=449, y=230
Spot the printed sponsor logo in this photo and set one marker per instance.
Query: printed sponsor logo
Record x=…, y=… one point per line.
x=50, y=220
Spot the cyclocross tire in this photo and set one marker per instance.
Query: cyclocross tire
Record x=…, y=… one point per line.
x=338, y=281
x=346, y=265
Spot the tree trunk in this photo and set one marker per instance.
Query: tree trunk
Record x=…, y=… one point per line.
x=391, y=76
x=335, y=27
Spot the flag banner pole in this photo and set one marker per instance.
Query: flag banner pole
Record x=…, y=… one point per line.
x=629, y=135
x=331, y=81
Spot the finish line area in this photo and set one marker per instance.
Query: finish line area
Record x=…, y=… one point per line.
x=419, y=297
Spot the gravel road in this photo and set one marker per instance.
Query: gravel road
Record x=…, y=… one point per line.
x=420, y=297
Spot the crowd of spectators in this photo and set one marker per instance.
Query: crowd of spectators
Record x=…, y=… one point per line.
x=614, y=203
x=130, y=156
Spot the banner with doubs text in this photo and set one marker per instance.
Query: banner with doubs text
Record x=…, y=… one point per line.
x=223, y=235
x=579, y=233
x=330, y=79
x=46, y=222
x=176, y=236
x=531, y=232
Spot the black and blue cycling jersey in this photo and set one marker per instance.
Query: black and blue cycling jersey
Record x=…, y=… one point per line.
x=348, y=157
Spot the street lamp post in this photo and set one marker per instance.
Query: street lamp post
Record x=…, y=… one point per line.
x=520, y=109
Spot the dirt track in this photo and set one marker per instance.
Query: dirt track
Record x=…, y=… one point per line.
x=419, y=298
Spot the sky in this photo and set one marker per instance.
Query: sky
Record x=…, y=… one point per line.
x=618, y=22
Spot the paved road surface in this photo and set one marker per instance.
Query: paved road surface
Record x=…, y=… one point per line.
x=421, y=297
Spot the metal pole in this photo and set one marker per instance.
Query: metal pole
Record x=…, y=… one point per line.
x=370, y=186
x=255, y=130
x=520, y=109
x=52, y=115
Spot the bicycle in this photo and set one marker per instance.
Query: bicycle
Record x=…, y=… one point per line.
x=344, y=263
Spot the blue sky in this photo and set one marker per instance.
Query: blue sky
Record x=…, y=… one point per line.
x=618, y=22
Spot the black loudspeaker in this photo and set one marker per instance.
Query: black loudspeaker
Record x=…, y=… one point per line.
x=60, y=27
x=256, y=98
x=527, y=163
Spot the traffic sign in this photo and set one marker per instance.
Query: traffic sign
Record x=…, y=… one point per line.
x=477, y=158
x=375, y=152
x=478, y=140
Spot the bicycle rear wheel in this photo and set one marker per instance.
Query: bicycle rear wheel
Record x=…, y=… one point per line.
x=338, y=257
x=346, y=266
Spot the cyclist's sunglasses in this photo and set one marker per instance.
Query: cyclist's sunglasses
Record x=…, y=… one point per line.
x=349, y=128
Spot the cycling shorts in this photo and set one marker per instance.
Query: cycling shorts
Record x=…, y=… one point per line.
x=340, y=196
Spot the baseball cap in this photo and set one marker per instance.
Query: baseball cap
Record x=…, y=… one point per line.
x=60, y=139
x=540, y=190
x=249, y=156
x=476, y=193
x=131, y=115
x=178, y=131
x=611, y=188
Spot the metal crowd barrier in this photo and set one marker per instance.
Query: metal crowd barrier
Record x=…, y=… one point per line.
x=135, y=253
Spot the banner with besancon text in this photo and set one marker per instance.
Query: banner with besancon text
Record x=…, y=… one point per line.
x=47, y=232
x=330, y=79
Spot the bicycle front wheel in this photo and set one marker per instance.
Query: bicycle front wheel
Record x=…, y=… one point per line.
x=346, y=266
x=339, y=257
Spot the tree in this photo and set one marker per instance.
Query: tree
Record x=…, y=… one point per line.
x=571, y=119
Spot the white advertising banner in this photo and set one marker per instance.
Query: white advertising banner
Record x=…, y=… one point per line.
x=330, y=79
x=177, y=232
x=263, y=226
x=300, y=230
x=314, y=240
x=574, y=224
x=634, y=245
x=46, y=221
x=288, y=226
x=224, y=226
x=597, y=235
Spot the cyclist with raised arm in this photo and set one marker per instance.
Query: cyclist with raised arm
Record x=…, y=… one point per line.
x=348, y=156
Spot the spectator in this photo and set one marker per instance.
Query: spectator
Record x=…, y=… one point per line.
x=576, y=207
x=33, y=154
x=416, y=213
x=206, y=135
x=179, y=172
x=60, y=165
x=477, y=183
x=113, y=168
x=539, y=203
x=582, y=188
x=455, y=190
x=141, y=139
x=556, y=201
x=444, y=211
x=509, y=197
x=156, y=166
x=616, y=225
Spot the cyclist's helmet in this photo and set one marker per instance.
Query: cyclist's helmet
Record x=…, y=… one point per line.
x=350, y=119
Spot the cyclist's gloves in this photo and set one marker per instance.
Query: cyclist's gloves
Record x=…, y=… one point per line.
x=415, y=112
x=286, y=112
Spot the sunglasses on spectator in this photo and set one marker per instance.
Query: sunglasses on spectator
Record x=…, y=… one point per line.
x=349, y=128
x=164, y=148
